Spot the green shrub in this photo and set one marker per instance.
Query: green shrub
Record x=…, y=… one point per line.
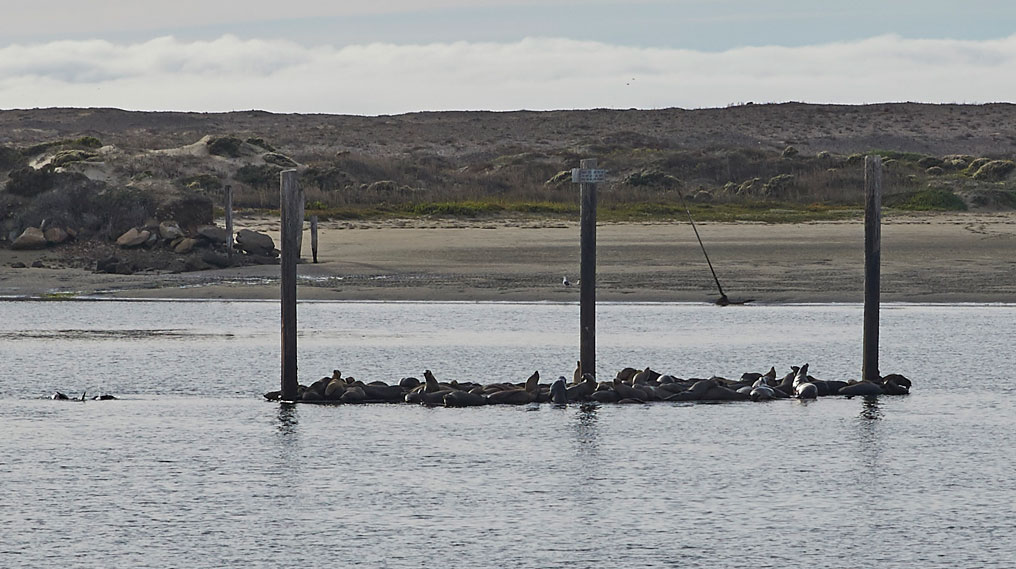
x=929, y=161
x=258, y=175
x=935, y=171
x=207, y=182
x=279, y=160
x=926, y=200
x=326, y=179
x=896, y=154
x=562, y=177
x=460, y=209
x=994, y=171
x=87, y=142
x=975, y=165
x=228, y=146
x=260, y=143
x=778, y=185
x=651, y=178
x=789, y=152
x=28, y=182
x=64, y=157
x=11, y=158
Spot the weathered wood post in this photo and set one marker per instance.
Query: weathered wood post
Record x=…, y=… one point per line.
x=292, y=224
x=313, y=236
x=229, y=223
x=587, y=176
x=872, y=263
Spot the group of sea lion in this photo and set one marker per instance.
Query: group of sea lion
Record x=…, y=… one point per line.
x=62, y=397
x=630, y=385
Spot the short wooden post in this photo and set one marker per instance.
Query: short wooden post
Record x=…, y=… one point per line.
x=872, y=264
x=299, y=236
x=587, y=292
x=292, y=224
x=229, y=223
x=313, y=236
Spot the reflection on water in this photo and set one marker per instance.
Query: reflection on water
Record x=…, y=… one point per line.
x=870, y=409
x=869, y=431
x=584, y=429
x=288, y=421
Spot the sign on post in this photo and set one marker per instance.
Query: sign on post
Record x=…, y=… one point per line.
x=588, y=176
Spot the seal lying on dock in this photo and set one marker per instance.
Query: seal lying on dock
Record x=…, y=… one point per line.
x=803, y=389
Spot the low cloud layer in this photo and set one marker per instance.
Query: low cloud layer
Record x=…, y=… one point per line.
x=233, y=74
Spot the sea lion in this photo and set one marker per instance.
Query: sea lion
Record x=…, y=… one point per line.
x=511, y=397
x=583, y=389
x=431, y=382
x=464, y=399
x=786, y=384
x=353, y=394
x=721, y=393
x=861, y=388
x=896, y=384
x=559, y=391
x=533, y=383
x=626, y=375
x=625, y=391
x=577, y=374
x=762, y=393
x=750, y=377
x=335, y=389
x=605, y=396
x=434, y=398
x=803, y=389
x=382, y=392
x=409, y=382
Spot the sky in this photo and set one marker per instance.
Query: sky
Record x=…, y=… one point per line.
x=396, y=56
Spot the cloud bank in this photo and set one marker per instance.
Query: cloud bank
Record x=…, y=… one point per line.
x=536, y=73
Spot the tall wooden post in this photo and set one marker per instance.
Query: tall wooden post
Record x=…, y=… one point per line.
x=229, y=223
x=313, y=236
x=292, y=224
x=587, y=293
x=872, y=263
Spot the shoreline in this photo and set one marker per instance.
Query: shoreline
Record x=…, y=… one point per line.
x=934, y=258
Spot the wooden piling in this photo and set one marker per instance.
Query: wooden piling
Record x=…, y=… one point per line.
x=313, y=236
x=872, y=264
x=291, y=197
x=229, y=223
x=587, y=292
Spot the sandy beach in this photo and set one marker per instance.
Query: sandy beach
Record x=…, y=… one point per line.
x=965, y=257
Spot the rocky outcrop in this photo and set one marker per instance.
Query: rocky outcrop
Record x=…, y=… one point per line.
x=213, y=234
x=255, y=243
x=31, y=238
x=133, y=237
x=56, y=235
x=186, y=245
x=170, y=230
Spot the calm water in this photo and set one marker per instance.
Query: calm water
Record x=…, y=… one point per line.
x=192, y=469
